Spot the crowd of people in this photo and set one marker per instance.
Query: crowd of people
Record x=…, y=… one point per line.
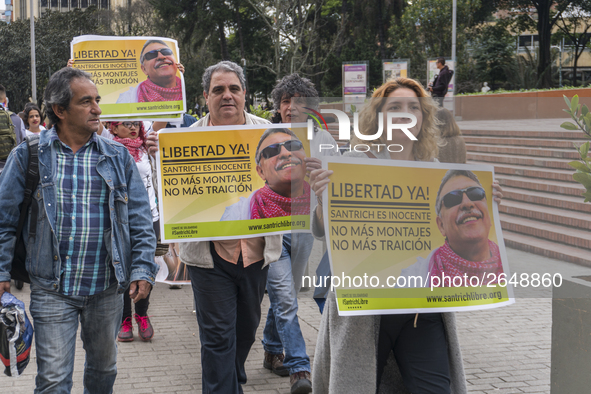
x=97, y=227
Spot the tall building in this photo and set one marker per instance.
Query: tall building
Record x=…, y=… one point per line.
x=7, y=16
x=21, y=8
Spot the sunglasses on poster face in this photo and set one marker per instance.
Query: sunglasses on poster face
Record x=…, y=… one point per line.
x=274, y=149
x=154, y=53
x=455, y=197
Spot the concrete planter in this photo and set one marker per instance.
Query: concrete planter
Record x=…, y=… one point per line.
x=520, y=105
x=571, y=336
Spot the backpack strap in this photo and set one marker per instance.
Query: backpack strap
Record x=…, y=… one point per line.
x=31, y=181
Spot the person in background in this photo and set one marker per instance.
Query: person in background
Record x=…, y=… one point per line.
x=453, y=147
x=133, y=137
x=441, y=82
x=19, y=127
x=33, y=119
x=292, y=95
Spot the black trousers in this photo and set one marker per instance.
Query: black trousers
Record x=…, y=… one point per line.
x=421, y=352
x=141, y=307
x=228, y=305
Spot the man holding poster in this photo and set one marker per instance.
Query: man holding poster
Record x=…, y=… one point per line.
x=163, y=84
x=280, y=159
x=228, y=276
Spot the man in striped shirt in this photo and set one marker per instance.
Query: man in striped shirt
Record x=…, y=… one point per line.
x=93, y=238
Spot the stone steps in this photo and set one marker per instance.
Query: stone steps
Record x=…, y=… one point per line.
x=573, y=203
x=542, y=210
x=563, y=153
x=533, y=142
x=521, y=160
x=511, y=133
x=547, y=248
x=548, y=231
x=563, y=217
x=542, y=185
x=531, y=172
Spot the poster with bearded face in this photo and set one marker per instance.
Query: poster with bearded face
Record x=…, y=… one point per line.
x=409, y=237
x=232, y=182
x=135, y=76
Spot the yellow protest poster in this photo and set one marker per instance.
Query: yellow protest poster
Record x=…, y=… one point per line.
x=409, y=237
x=230, y=182
x=134, y=75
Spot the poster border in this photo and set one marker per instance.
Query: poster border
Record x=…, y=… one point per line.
x=219, y=128
x=418, y=164
x=143, y=116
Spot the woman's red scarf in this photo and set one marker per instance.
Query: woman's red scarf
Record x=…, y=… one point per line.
x=148, y=91
x=446, y=262
x=266, y=203
x=133, y=146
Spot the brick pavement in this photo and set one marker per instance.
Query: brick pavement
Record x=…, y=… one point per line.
x=505, y=350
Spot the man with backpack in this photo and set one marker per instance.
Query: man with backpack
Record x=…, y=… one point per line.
x=441, y=82
x=12, y=129
x=90, y=236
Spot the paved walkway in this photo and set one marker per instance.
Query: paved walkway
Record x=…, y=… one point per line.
x=505, y=350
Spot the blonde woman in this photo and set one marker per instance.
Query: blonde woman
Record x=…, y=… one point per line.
x=353, y=354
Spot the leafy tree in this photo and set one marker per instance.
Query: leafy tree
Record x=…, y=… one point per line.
x=53, y=33
x=575, y=24
x=543, y=16
x=137, y=18
x=425, y=31
x=494, y=53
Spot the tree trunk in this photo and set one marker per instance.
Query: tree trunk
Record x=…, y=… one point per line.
x=544, y=35
x=381, y=34
x=579, y=49
x=242, y=55
x=223, y=44
x=343, y=19
x=318, y=55
x=239, y=27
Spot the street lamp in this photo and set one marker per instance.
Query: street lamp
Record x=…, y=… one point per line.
x=453, y=46
x=33, y=70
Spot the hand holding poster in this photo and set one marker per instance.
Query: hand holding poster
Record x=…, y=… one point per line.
x=134, y=75
x=406, y=237
x=231, y=182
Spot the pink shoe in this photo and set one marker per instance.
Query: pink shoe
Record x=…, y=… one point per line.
x=126, y=331
x=145, y=327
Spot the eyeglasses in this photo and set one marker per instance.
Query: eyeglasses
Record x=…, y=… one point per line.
x=274, y=149
x=154, y=53
x=129, y=125
x=453, y=198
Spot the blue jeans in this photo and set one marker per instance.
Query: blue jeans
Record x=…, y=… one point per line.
x=56, y=318
x=282, y=330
